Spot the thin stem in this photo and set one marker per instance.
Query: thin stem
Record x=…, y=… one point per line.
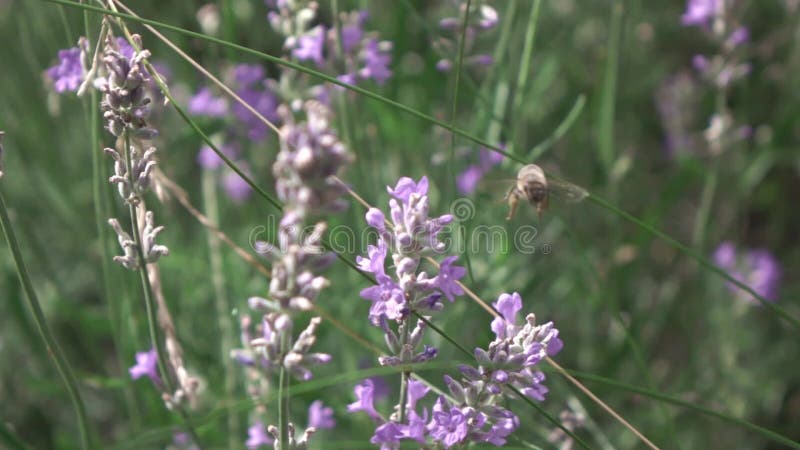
x=283, y=398
x=404, y=375
x=524, y=69
x=221, y=305
x=51, y=344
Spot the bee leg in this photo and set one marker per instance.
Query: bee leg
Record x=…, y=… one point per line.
x=512, y=205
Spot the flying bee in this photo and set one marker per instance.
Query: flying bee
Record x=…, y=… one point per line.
x=533, y=185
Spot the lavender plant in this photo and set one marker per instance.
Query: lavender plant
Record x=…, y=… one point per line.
x=473, y=413
x=310, y=157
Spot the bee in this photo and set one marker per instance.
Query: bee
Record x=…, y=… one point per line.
x=533, y=185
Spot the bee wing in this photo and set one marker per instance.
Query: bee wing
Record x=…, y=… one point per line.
x=566, y=191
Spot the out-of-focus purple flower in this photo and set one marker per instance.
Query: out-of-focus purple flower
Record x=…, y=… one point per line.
x=699, y=12
x=467, y=181
x=447, y=279
x=320, y=416
x=757, y=268
x=365, y=397
x=311, y=46
x=235, y=186
x=376, y=61
x=146, y=365
x=257, y=436
x=263, y=101
x=208, y=159
x=738, y=37
x=700, y=63
x=248, y=74
x=125, y=48
x=353, y=31
x=67, y=75
x=204, y=103
x=444, y=65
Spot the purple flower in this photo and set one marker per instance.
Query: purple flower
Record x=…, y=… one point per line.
x=375, y=259
x=311, y=45
x=387, y=300
x=738, y=37
x=447, y=280
x=204, y=103
x=248, y=74
x=699, y=12
x=365, y=396
x=376, y=61
x=320, y=416
x=757, y=268
x=264, y=102
x=406, y=186
x=146, y=365
x=237, y=189
x=208, y=158
x=353, y=32
x=388, y=433
x=67, y=75
x=257, y=436
x=449, y=425
x=467, y=181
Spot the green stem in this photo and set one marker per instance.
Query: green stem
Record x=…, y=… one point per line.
x=11, y=439
x=404, y=375
x=221, y=305
x=524, y=69
x=609, y=90
x=53, y=349
x=283, y=399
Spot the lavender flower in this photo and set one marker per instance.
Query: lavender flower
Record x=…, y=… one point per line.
x=700, y=12
x=481, y=19
x=146, y=366
x=237, y=189
x=363, y=56
x=320, y=416
x=208, y=158
x=468, y=180
x=125, y=105
x=68, y=74
x=204, y=103
x=412, y=236
x=257, y=436
x=256, y=92
x=152, y=251
x=310, y=156
x=757, y=268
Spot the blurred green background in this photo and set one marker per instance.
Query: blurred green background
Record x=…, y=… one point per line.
x=629, y=306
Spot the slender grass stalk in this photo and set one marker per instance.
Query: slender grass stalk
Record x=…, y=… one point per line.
x=539, y=149
x=453, y=114
x=11, y=439
x=221, y=305
x=283, y=398
x=524, y=70
x=608, y=92
x=51, y=344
